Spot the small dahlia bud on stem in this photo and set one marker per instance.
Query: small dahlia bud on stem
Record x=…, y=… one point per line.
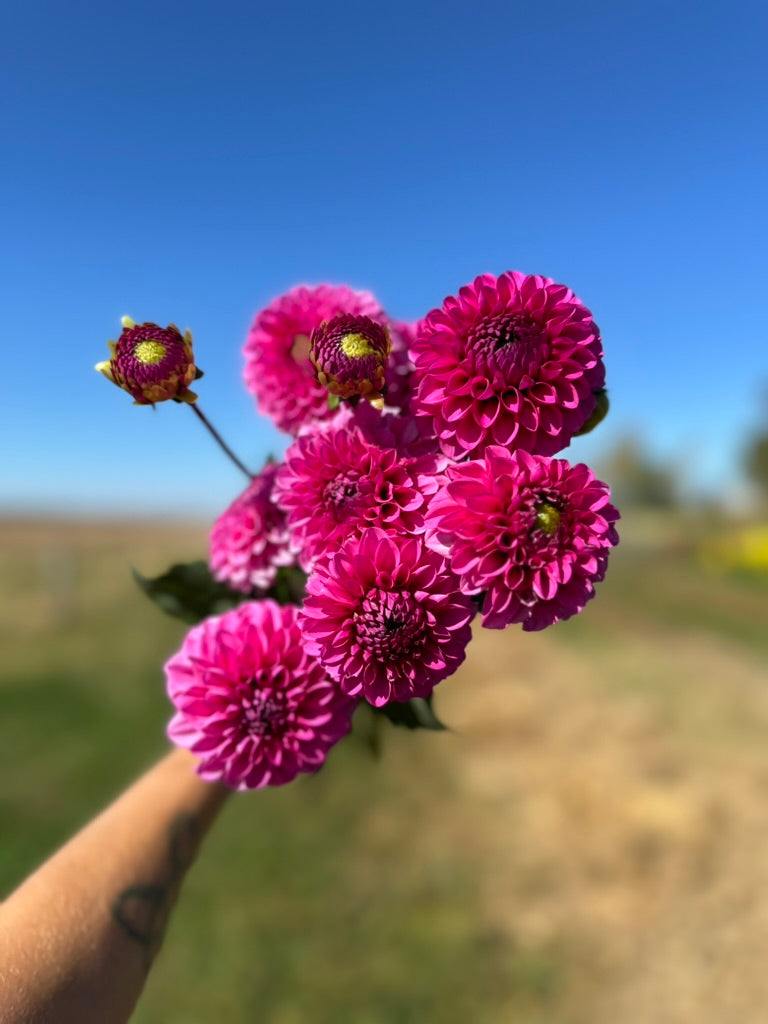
x=152, y=363
x=350, y=356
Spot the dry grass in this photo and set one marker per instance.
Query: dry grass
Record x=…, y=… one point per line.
x=589, y=844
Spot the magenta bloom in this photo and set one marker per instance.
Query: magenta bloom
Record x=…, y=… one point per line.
x=530, y=532
x=278, y=370
x=335, y=484
x=385, y=617
x=513, y=361
x=251, y=703
x=249, y=542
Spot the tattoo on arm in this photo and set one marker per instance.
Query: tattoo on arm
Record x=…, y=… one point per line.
x=142, y=910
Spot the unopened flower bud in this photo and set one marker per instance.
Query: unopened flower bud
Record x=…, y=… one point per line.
x=350, y=355
x=152, y=363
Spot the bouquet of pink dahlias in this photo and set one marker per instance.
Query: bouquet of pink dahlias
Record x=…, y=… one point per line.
x=419, y=490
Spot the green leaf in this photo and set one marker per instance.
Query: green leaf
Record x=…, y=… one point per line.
x=288, y=587
x=602, y=405
x=416, y=713
x=366, y=726
x=188, y=591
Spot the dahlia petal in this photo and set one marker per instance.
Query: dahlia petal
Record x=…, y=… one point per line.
x=459, y=382
x=504, y=429
x=544, y=585
x=490, y=565
x=378, y=690
x=463, y=561
x=528, y=414
x=455, y=408
x=486, y=412
x=567, y=395
x=552, y=422
x=469, y=433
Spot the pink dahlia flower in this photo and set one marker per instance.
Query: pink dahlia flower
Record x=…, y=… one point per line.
x=513, y=360
x=249, y=542
x=278, y=370
x=531, y=533
x=335, y=484
x=385, y=617
x=250, y=702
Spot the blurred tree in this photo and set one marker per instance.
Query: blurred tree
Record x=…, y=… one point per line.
x=756, y=461
x=637, y=478
x=755, y=452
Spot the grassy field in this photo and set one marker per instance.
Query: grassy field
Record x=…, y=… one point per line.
x=588, y=844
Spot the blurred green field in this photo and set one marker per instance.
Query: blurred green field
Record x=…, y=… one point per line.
x=587, y=844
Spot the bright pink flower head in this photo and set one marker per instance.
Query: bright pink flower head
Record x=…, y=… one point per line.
x=530, y=532
x=335, y=484
x=251, y=703
x=249, y=542
x=277, y=366
x=386, y=618
x=513, y=361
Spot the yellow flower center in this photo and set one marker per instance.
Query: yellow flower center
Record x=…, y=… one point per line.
x=356, y=345
x=149, y=352
x=547, y=518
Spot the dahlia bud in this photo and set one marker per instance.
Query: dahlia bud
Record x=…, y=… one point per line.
x=350, y=355
x=152, y=363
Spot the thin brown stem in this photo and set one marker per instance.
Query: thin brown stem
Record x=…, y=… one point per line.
x=219, y=439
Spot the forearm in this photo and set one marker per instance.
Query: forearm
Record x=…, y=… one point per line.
x=79, y=935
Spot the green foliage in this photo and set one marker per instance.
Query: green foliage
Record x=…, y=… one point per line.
x=637, y=479
x=756, y=461
x=417, y=713
x=602, y=406
x=188, y=591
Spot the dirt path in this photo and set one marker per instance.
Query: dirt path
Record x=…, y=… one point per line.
x=620, y=828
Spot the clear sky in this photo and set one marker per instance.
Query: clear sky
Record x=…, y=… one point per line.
x=188, y=161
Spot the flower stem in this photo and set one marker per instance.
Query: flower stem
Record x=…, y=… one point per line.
x=219, y=439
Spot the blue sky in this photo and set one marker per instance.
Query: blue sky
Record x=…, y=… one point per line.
x=187, y=162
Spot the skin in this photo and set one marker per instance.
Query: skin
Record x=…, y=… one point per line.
x=78, y=937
